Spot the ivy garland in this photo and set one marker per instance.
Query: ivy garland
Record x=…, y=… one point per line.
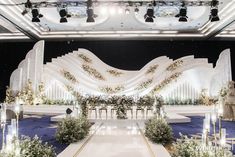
x=174, y=65
x=92, y=71
x=69, y=76
x=114, y=72
x=144, y=84
x=84, y=58
x=165, y=82
x=151, y=69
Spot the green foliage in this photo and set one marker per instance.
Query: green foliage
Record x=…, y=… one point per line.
x=72, y=130
x=189, y=147
x=158, y=131
x=34, y=147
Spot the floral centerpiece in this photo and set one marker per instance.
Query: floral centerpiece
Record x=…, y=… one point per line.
x=145, y=101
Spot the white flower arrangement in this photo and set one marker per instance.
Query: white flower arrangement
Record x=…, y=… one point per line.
x=84, y=58
x=144, y=85
x=69, y=76
x=152, y=69
x=175, y=65
x=189, y=147
x=166, y=82
x=93, y=72
x=114, y=72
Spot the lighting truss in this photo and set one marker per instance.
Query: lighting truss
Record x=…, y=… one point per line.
x=45, y=4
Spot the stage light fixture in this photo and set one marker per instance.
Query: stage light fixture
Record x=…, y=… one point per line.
x=36, y=15
x=64, y=15
x=214, y=11
x=149, y=14
x=136, y=10
x=90, y=12
x=28, y=6
x=183, y=13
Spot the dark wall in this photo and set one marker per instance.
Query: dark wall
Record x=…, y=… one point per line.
x=130, y=55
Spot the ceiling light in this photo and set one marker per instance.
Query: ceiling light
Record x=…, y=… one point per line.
x=214, y=11
x=149, y=14
x=90, y=15
x=35, y=15
x=64, y=15
x=183, y=13
x=136, y=10
x=90, y=12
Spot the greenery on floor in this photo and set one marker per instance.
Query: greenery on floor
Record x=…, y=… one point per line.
x=71, y=129
x=158, y=130
x=30, y=147
x=188, y=147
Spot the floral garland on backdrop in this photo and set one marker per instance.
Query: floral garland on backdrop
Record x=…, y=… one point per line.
x=114, y=72
x=85, y=58
x=93, y=72
x=69, y=76
x=165, y=82
x=152, y=69
x=112, y=90
x=175, y=65
x=145, y=84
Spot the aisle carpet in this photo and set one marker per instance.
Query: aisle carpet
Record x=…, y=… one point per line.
x=45, y=129
x=196, y=126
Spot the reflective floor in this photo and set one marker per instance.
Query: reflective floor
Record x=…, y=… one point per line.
x=119, y=140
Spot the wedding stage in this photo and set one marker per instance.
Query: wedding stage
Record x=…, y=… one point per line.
x=119, y=102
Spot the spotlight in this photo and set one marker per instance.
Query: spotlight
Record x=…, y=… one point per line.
x=90, y=15
x=136, y=10
x=36, y=16
x=64, y=15
x=112, y=10
x=182, y=14
x=90, y=12
x=214, y=11
x=149, y=14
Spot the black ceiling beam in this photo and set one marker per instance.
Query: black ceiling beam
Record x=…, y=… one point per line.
x=212, y=35
x=79, y=3
x=32, y=37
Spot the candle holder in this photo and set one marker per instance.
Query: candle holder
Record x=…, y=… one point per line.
x=17, y=112
x=3, y=125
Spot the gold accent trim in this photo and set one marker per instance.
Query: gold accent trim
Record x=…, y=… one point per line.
x=85, y=143
x=146, y=142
